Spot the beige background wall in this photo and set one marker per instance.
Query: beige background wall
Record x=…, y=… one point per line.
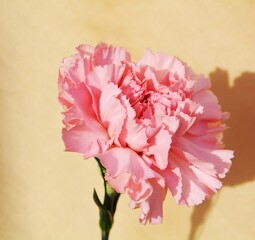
x=46, y=193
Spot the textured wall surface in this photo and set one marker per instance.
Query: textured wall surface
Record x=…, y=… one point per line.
x=46, y=193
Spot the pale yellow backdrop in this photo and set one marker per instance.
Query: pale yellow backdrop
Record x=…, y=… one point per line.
x=46, y=193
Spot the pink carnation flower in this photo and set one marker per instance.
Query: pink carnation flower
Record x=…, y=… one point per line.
x=154, y=125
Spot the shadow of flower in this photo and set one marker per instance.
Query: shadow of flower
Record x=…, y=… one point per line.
x=239, y=100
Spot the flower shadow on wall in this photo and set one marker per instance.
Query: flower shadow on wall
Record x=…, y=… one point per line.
x=239, y=101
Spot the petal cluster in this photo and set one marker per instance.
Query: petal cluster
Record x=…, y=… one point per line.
x=154, y=125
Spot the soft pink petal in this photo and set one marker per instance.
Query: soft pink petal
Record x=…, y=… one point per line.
x=119, y=160
x=161, y=61
x=83, y=132
x=159, y=146
x=73, y=71
x=171, y=123
x=151, y=209
x=119, y=183
x=212, y=110
x=82, y=109
x=173, y=178
x=133, y=134
x=131, y=85
x=84, y=140
x=98, y=79
x=86, y=50
x=139, y=191
x=135, y=137
x=196, y=184
x=187, y=113
x=108, y=54
x=221, y=159
x=112, y=112
x=201, y=84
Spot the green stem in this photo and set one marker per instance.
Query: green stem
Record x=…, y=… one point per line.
x=105, y=235
x=108, y=208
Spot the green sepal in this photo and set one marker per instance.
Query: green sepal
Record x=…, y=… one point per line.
x=96, y=199
x=106, y=218
x=108, y=207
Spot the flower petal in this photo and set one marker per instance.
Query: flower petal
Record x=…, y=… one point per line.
x=97, y=80
x=84, y=140
x=159, y=146
x=112, y=112
x=83, y=133
x=212, y=110
x=133, y=134
x=151, y=208
x=201, y=83
x=206, y=152
x=118, y=160
x=196, y=184
x=108, y=54
x=161, y=61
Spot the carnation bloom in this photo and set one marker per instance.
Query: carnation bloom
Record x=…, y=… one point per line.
x=154, y=125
